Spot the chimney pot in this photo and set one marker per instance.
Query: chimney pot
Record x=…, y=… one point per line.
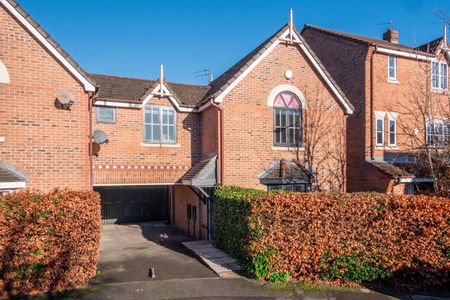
x=391, y=36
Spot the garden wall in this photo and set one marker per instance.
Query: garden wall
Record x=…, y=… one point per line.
x=336, y=238
x=48, y=242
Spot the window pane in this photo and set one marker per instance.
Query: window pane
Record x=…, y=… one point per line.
x=444, y=76
x=165, y=117
x=148, y=132
x=282, y=135
x=277, y=118
x=165, y=133
x=172, y=133
x=392, y=67
x=155, y=115
x=106, y=114
x=379, y=125
x=156, y=133
x=292, y=136
x=379, y=138
x=148, y=116
x=435, y=74
x=171, y=117
x=283, y=120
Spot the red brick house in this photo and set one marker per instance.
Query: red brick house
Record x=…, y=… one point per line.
x=401, y=101
x=42, y=144
x=274, y=120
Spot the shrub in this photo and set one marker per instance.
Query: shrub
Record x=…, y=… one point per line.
x=338, y=238
x=48, y=242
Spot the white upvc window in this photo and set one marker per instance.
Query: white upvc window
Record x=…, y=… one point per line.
x=392, y=132
x=159, y=124
x=392, y=67
x=439, y=75
x=105, y=114
x=380, y=131
x=438, y=132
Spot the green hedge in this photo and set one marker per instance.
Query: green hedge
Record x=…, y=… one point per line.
x=232, y=220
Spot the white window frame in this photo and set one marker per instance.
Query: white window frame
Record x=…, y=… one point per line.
x=440, y=77
x=382, y=131
x=444, y=136
x=161, y=109
x=97, y=114
x=389, y=131
x=394, y=67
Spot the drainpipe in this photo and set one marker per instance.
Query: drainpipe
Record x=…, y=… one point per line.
x=91, y=163
x=220, y=143
x=371, y=105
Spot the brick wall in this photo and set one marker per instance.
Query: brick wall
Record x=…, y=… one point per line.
x=50, y=145
x=125, y=160
x=347, y=62
x=248, y=122
x=209, y=130
x=183, y=196
x=350, y=64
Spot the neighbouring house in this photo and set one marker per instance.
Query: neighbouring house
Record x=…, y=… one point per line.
x=44, y=108
x=274, y=120
x=401, y=101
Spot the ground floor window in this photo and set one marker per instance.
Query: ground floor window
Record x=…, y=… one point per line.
x=289, y=187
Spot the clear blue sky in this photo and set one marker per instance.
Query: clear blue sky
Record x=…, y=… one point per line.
x=133, y=37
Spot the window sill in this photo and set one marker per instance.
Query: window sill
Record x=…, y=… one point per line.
x=394, y=81
x=382, y=147
x=439, y=91
x=280, y=148
x=158, y=145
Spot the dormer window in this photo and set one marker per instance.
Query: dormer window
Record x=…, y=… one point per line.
x=392, y=67
x=287, y=120
x=439, y=75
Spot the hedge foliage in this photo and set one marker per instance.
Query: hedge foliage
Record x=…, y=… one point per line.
x=48, y=242
x=336, y=238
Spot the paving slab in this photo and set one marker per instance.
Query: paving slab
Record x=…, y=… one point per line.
x=221, y=263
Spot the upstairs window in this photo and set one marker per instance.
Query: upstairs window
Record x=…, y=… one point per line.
x=159, y=124
x=287, y=120
x=439, y=75
x=438, y=133
x=106, y=115
x=392, y=67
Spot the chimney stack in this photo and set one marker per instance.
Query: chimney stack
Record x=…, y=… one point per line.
x=282, y=168
x=391, y=36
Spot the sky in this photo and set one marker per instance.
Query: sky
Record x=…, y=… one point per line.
x=133, y=37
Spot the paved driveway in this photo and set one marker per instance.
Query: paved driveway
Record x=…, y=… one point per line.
x=127, y=252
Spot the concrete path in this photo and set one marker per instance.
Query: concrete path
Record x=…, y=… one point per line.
x=127, y=252
x=220, y=262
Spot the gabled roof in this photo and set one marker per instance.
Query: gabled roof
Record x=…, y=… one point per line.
x=293, y=172
x=134, y=90
x=365, y=40
x=224, y=81
x=432, y=46
x=50, y=44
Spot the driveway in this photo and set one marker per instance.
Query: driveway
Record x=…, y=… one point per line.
x=127, y=252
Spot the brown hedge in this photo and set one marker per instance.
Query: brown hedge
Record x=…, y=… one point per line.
x=314, y=234
x=48, y=242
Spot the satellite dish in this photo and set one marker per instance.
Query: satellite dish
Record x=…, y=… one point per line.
x=64, y=99
x=100, y=137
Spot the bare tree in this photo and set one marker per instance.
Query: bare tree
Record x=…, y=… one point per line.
x=424, y=128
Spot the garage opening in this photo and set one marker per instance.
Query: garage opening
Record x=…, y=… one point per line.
x=132, y=204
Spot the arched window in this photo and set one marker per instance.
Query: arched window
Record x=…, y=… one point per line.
x=4, y=76
x=287, y=120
